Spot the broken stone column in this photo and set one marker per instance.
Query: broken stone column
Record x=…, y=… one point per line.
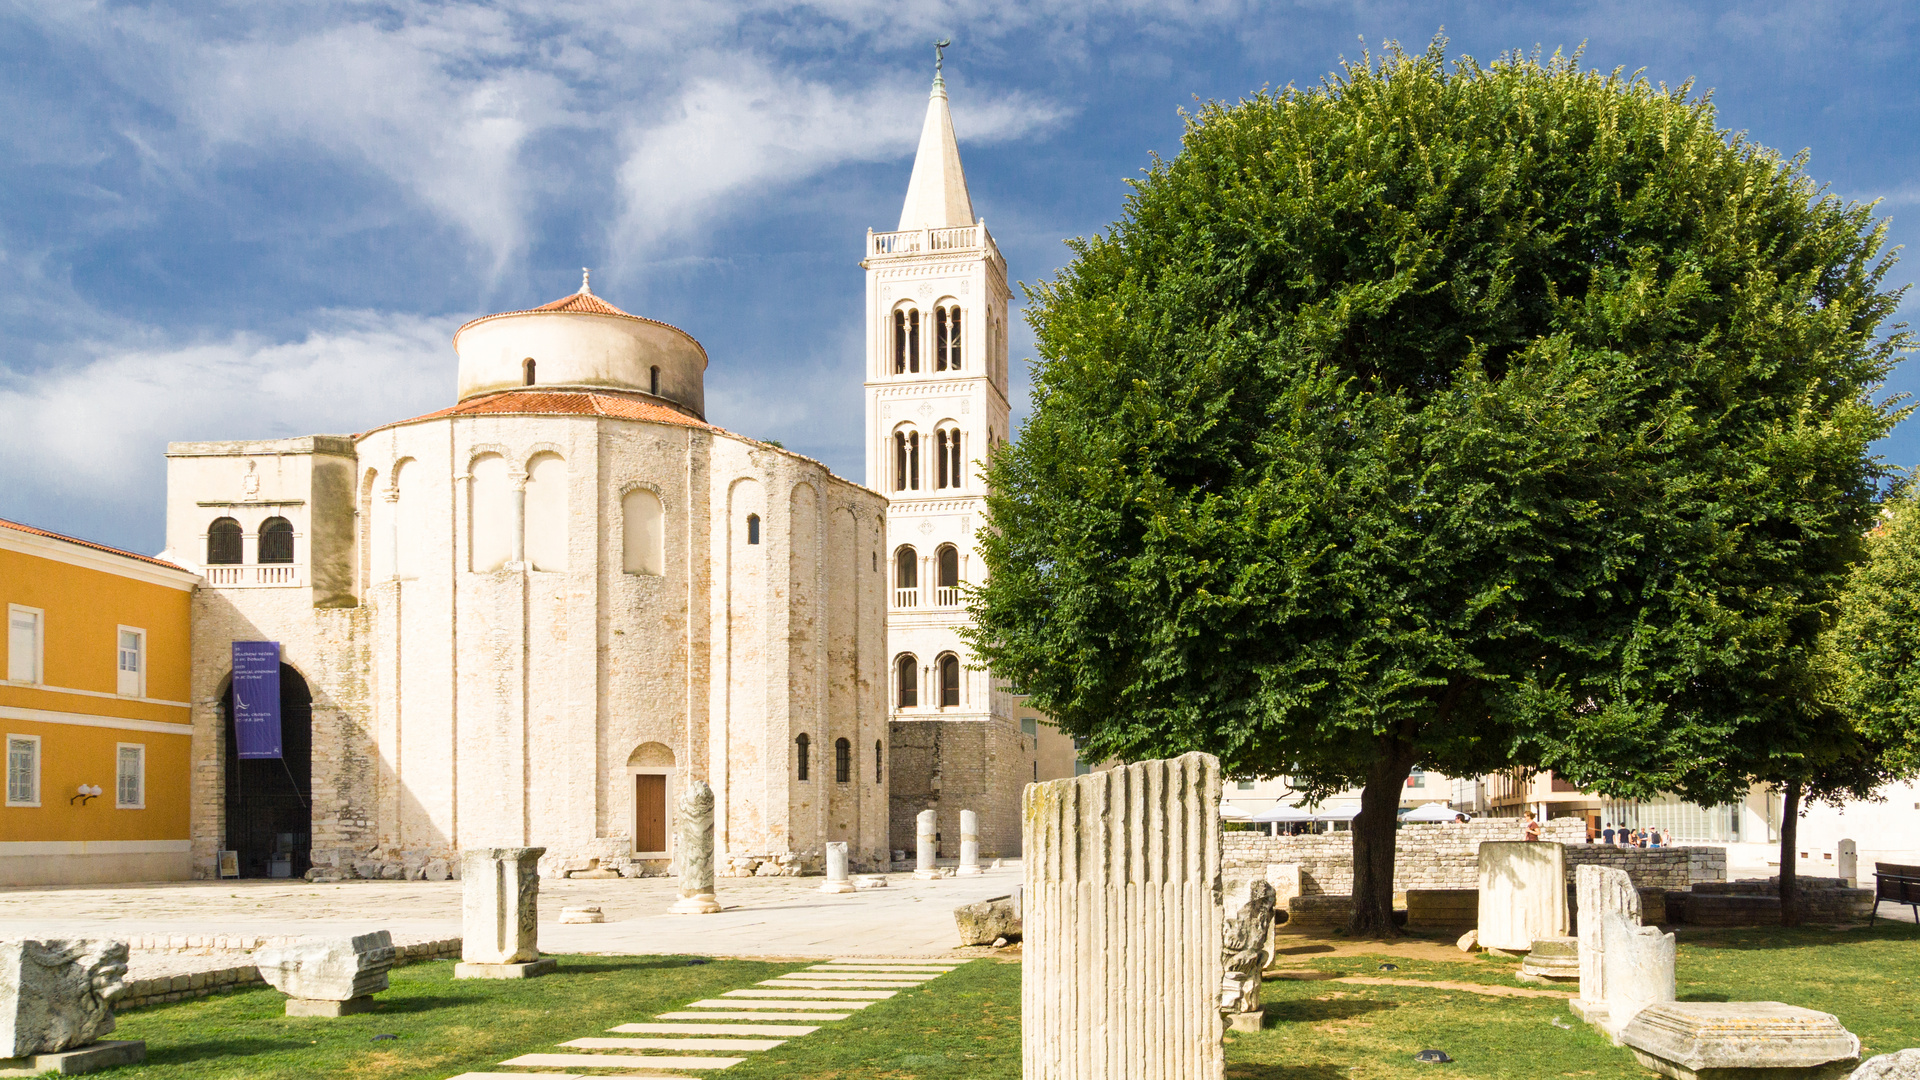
x=1552, y=959
x=1601, y=891
x=969, y=843
x=1523, y=893
x=925, y=839
x=499, y=913
x=1637, y=972
x=56, y=1000
x=696, y=851
x=1123, y=924
x=988, y=922
x=1245, y=952
x=837, y=868
x=328, y=976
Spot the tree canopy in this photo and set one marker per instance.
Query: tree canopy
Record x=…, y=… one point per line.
x=1472, y=417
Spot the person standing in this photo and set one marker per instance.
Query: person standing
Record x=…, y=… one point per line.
x=1606, y=834
x=1532, y=831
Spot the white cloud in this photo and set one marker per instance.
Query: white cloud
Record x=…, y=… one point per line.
x=94, y=431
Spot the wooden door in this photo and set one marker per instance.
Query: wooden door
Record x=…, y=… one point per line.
x=649, y=812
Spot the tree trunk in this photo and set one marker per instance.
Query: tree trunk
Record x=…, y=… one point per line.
x=1790, y=855
x=1373, y=839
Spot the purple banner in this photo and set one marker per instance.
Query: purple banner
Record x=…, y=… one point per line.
x=256, y=699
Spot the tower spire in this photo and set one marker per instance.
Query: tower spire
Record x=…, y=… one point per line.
x=937, y=192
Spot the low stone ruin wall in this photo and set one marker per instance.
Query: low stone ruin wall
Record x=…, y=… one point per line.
x=1447, y=856
x=241, y=973
x=1755, y=902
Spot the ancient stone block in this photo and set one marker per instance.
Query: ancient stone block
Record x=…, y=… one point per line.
x=1636, y=972
x=1602, y=891
x=58, y=994
x=1523, y=894
x=1903, y=1065
x=1286, y=881
x=500, y=901
x=988, y=920
x=969, y=842
x=1701, y=1040
x=328, y=969
x=1123, y=922
x=1444, y=911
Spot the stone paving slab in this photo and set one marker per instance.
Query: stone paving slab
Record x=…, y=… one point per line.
x=736, y=1003
x=810, y=984
x=713, y=1029
x=866, y=976
x=619, y=1061
x=571, y=1076
x=815, y=995
x=724, y=1045
x=749, y=1016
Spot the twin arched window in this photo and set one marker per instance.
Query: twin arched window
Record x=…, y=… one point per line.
x=946, y=338
x=946, y=446
x=947, y=344
x=226, y=543
x=907, y=677
x=842, y=761
x=906, y=341
x=906, y=460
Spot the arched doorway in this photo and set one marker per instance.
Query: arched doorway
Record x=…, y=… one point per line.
x=269, y=802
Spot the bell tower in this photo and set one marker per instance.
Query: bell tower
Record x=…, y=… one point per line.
x=936, y=404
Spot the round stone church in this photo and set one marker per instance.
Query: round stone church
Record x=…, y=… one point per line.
x=528, y=618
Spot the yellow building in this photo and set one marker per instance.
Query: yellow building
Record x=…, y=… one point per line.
x=94, y=701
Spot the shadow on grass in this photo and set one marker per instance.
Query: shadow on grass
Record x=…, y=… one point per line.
x=1311, y=1011
x=213, y=1050
x=570, y=967
x=1704, y=997
x=1286, y=1072
x=1759, y=938
x=1303, y=950
x=402, y=1006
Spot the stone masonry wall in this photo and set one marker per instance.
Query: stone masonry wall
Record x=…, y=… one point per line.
x=950, y=766
x=1446, y=856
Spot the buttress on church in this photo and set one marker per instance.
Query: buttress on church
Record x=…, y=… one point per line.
x=530, y=617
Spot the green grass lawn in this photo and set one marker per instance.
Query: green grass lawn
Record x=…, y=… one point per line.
x=966, y=1025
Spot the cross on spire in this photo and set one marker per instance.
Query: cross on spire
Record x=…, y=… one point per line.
x=939, y=54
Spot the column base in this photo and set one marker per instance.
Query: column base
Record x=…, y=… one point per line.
x=92, y=1057
x=837, y=887
x=317, y=1007
x=926, y=875
x=703, y=904
x=969, y=871
x=531, y=969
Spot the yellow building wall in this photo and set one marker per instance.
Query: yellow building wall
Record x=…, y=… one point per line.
x=83, y=608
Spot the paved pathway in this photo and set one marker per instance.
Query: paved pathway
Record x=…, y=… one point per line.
x=763, y=917
x=760, y=1018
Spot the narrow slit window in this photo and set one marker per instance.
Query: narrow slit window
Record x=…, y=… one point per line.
x=913, y=342
x=526, y=371
x=913, y=461
x=753, y=528
x=899, y=343
x=653, y=381
x=801, y=744
x=842, y=761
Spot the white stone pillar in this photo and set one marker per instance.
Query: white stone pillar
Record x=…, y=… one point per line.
x=837, y=868
x=499, y=914
x=1122, y=922
x=1849, y=863
x=1638, y=971
x=924, y=845
x=969, y=843
x=1523, y=893
x=696, y=851
x=1602, y=891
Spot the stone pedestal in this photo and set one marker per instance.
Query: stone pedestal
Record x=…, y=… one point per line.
x=1601, y=891
x=837, y=869
x=546, y=965
x=1848, y=860
x=58, y=994
x=499, y=910
x=969, y=843
x=925, y=844
x=1523, y=893
x=321, y=975
x=83, y=1059
x=696, y=851
x=1123, y=924
x=1552, y=960
x=1246, y=1021
x=1737, y=1040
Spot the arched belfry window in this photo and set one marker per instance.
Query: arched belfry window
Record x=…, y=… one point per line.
x=906, y=577
x=276, y=540
x=946, y=338
x=906, y=341
x=526, y=371
x=842, y=761
x=946, y=447
x=947, y=585
x=908, y=670
x=223, y=542
x=949, y=680
x=906, y=460
x=800, y=745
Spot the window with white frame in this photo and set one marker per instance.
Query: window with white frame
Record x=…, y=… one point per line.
x=23, y=770
x=25, y=635
x=133, y=662
x=130, y=780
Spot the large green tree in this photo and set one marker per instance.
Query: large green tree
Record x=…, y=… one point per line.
x=1457, y=416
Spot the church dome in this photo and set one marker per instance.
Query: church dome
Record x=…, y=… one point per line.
x=583, y=342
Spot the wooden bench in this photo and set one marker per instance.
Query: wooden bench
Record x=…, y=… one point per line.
x=1899, y=884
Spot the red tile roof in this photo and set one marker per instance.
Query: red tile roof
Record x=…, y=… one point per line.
x=584, y=303
x=89, y=544
x=587, y=302
x=563, y=403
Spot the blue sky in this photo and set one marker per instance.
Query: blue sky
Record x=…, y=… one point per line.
x=264, y=219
